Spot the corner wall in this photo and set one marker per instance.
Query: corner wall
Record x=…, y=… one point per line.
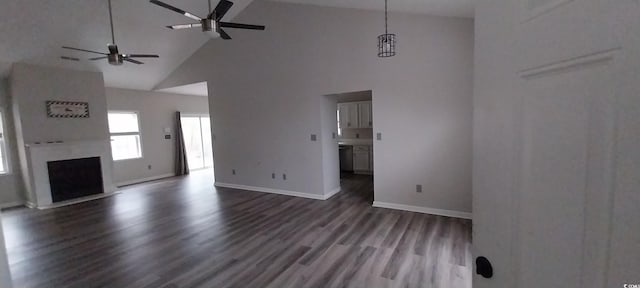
x=156, y=111
x=267, y=88
x=11, y=188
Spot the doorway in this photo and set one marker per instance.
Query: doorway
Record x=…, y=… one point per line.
x=197, y=140
x=347, y=123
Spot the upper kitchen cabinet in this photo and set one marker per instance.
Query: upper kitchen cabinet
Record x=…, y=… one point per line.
x=365, y=115
x=355, y=115
x=348, y=115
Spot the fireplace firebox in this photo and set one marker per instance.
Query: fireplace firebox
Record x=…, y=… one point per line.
x=75, y=178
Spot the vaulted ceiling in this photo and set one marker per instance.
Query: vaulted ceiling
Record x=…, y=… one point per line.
x=453, y=8
x=33, y=31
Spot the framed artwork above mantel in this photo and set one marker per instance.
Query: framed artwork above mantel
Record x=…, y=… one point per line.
x=67, y=109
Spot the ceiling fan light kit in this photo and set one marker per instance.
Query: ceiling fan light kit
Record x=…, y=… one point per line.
x=113, y=57
x=386, y=41
x=212, y=24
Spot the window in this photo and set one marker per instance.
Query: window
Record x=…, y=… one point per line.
x=4, y=164
x=125, y=135
x=339, y=129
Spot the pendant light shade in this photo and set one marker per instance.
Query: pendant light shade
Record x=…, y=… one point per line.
x=386, y=41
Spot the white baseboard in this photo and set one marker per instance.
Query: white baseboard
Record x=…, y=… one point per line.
x=270, y=190
x=142, y=180
x=426, y=210
x=332, y=193
x=12, y=204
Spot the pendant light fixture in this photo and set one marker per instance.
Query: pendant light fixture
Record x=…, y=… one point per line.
x=386, y=41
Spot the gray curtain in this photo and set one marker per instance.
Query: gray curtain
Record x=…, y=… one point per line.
x=182, y=166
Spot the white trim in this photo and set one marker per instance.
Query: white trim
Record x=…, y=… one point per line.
x=426, y=210
x=4, y=146
x=146, y=179
x=273, y=191
x=12, y=204
x=332, y=193
x=73, y=201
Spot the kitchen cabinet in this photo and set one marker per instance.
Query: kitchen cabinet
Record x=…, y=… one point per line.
x=364, y=115
x=355, y=115
x=362, y=159
x=348, y=115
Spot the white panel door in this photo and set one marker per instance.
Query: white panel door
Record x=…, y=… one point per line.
x=570, y=73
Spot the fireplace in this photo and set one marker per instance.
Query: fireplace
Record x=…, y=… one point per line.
x=75, y=178
x=55, y=172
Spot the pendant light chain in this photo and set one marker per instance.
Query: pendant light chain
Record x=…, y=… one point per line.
x=386, y=30
x=386, y=41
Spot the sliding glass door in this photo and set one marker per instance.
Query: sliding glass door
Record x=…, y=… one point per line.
x=197, y=140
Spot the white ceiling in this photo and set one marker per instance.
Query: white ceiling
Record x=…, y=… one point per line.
x=195, y=89
x=454, y=8
x=33, y=31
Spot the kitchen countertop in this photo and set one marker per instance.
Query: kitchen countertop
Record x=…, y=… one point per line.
x=355, y=142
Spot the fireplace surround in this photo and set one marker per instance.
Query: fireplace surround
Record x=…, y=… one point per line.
x=41, y=156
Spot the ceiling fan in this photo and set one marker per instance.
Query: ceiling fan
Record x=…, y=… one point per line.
x=212, y=24
x=113, y=57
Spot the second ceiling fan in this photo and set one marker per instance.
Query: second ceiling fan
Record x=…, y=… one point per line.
x=212, y=24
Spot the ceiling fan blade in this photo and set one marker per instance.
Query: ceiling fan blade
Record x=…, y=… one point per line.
x=184, y=26
x=83, y=50
x=220, y=10
x=241, y=26
x=224, y=35
x=69, y=58
x=174, y=9
x=132, y=61
x=113, y=49
x=98, y=58
x=142, y=56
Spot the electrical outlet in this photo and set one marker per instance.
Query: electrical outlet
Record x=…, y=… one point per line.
x=379, y=136
x=333, y=135
x=273, y=175
x=419, y=188
x=314, y=137
x=233, y=171
x=149, y=167
x=284, y=176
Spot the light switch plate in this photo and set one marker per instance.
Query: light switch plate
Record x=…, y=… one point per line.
x=379, y=136
x=314, y=137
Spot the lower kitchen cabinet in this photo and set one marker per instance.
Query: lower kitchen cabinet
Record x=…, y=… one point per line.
x=362, y=159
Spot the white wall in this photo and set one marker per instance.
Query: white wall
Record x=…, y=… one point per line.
x=329, y=139
x=31, y=86
x=266, y=90
x=156, y=112
x=10, y=184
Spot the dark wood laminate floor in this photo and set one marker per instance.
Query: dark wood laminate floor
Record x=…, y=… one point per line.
x=184, y=233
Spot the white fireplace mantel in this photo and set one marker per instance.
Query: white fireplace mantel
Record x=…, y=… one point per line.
x=39, y=154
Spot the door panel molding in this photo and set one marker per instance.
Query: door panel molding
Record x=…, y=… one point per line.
x=592, y=115
x=529, y=13
x=567, y=65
